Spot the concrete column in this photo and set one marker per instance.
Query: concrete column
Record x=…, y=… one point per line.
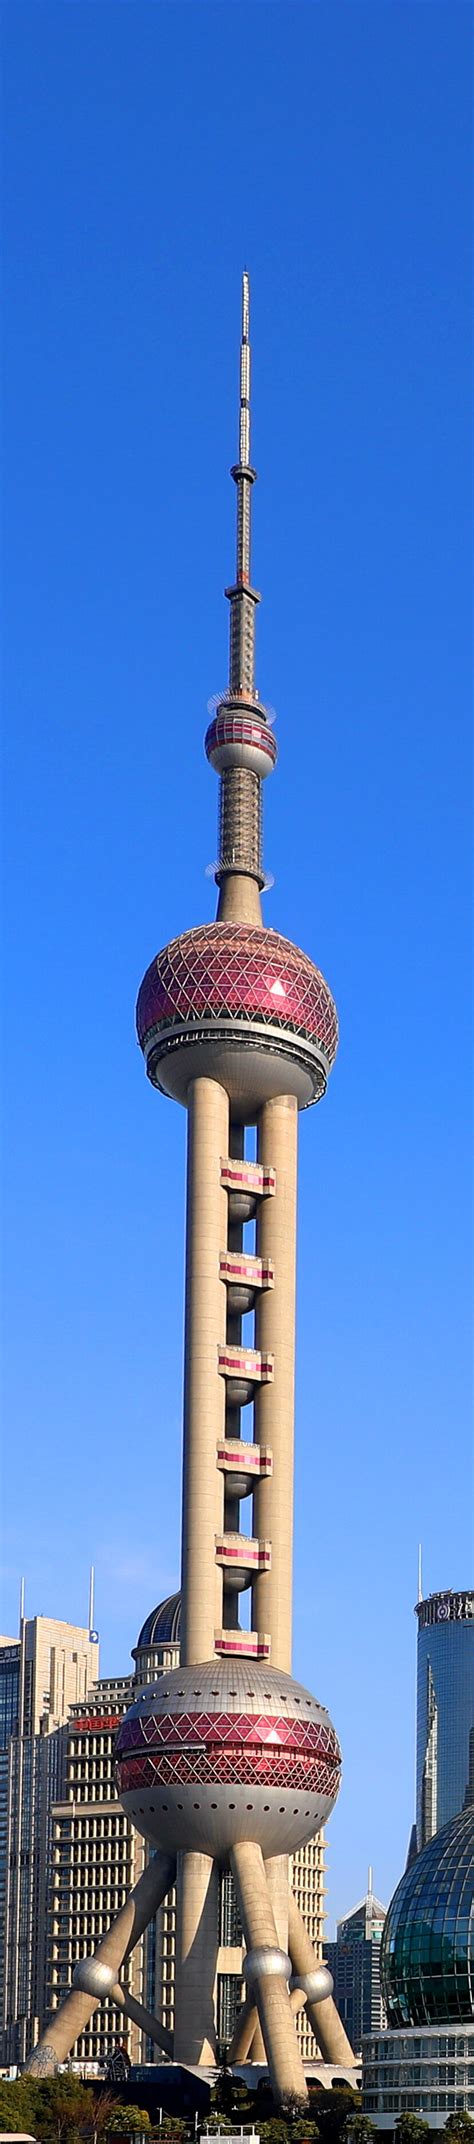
x=197, y=1932
x=324, y=2018
x=271, y=1993
x=276, y=1872
x=239, y=900
x=274, y=1405
x=143, y=2018
x=67, y=2023
x=204, y=1389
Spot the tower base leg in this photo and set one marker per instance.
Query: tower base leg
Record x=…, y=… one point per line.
x=196, y=1958
x=323, y=2016
x=102, y=1969
x=269, y=1984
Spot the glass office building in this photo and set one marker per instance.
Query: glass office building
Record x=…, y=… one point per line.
x=445, y=1710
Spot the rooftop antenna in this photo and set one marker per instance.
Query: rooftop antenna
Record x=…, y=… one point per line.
x=420, y=1581
x=22, y=1601
x=91, y=1598
x=370, y=1877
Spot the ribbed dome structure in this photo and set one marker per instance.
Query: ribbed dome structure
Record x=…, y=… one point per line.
x=162, y=1627
x=427, y=1956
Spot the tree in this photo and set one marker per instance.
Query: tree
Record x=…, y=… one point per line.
x=411, y=2129
x=125, y=2118
x=358, y=2129
x=460, y=2128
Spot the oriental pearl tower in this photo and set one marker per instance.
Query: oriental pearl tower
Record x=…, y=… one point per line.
x=227, y=1762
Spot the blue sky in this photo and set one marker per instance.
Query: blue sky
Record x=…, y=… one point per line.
x=151, y=152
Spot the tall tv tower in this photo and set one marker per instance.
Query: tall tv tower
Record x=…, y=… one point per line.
x=227, y=1761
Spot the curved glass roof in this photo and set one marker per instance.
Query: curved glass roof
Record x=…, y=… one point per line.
x=427, y=1954
x=163, y=1625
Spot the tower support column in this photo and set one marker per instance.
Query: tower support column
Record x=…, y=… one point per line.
x=197, y=1902
x=274, y=1405
x=268, y=1973
x=95, y=1977
x=323, y=2016
x=204, y=1389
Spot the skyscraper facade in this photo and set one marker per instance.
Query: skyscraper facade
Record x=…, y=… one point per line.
x=41, y=1674
x=227, y=1762
x=445, y=1710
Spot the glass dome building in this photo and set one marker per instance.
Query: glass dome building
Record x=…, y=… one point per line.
x=424, y=2062
x=427, y=1960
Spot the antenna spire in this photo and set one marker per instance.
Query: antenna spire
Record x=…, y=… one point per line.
x=239, y=741
x=242, y=597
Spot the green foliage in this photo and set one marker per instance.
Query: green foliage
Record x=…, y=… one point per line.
x=125, y=2119
x=411, y=2129
x=358, y=2129
x=460, y=2128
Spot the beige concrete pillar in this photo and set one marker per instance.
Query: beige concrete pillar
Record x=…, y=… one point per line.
x=276, y=1872
x=270, y=1989
x=70, y=2020
x=197, y=1933
x=204, y=1389
x=239, y=901
x=143, y=2018
x=274, y=1406
x=239, y=2050
x=324, y=2018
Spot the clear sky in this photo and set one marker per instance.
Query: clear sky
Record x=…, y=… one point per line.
x=151, y=152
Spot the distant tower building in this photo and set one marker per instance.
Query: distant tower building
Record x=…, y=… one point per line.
x=445, y=1709
x=95, y=1857
x=42, y=1672
x=354, y=1961
x=228, y=1762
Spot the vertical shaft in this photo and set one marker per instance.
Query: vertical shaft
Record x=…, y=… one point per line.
x=196, y=1958
x=271, y=1993
x=204, y=1389
x=274, y=1407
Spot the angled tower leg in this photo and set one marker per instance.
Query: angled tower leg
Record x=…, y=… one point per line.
x=95, y=1977
x=276, y=1872
x=143, y=2018
x=268, y=1967
x=323, y=2016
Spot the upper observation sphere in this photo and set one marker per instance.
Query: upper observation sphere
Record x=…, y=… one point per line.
x=240, y=1005
x=427, y=1955
x=225, y=1751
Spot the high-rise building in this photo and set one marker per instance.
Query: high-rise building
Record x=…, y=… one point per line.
x=42, y=1673
x=354, y=1961
x=445, y=1709
x=227, y=1763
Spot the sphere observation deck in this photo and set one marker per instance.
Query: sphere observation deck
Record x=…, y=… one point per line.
x=242, y=1006
x=225, y=1751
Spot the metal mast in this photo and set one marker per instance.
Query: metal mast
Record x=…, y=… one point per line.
x=239, y=741
x=242, y=597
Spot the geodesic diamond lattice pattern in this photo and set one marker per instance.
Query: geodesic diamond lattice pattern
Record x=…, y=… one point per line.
x=227, y=970
x=232, y=1767
x=252, y=1749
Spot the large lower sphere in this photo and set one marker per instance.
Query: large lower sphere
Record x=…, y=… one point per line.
x=225, y=1751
